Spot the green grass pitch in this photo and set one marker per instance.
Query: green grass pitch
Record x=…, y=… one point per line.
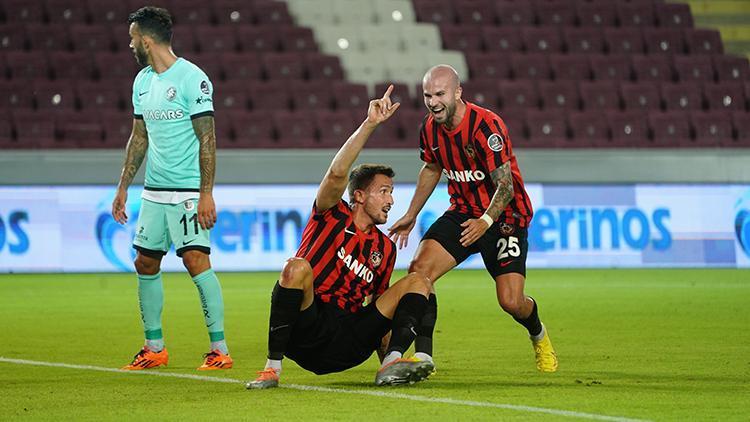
x=641, y=344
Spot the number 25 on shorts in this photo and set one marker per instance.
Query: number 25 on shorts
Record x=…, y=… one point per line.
x=508, y=247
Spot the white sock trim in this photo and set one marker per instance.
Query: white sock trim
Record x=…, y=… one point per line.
x=423, y=356
x=275, y=364
x=390, y=357
x=539, y=336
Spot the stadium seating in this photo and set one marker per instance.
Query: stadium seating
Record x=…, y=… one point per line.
x=694, y=68
x=641, y=96
x=562, y=73
x=482, y=92
x=586, y=40
x=711, y=129
x=670, y=129
x=596, y=14
x=519, y=94
x=92, y=95
x=253, y=130
x=684, y=96
x=587, y=128
x=599, y=95
x=628, y=129
x=554, y=12
x=624, y=40
x=570, y=66
x=518, y=12
x=555, y=95
x=547, y=129
x=311, y=95
x=334, y=126
x=703, y=41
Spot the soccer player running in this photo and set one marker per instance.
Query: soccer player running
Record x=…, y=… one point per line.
x=489, y=213
x=318, y=318
x=174, y=125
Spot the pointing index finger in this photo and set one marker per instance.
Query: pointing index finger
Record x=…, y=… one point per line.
x=388, y=92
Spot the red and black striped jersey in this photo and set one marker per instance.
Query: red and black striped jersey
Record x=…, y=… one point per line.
x=348, y=264
x=468, y=154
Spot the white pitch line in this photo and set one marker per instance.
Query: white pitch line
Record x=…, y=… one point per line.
x=385, y=394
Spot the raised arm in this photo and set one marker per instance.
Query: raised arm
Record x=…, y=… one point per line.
x=334, y=182
x=206, y=134
x=429, y=177
x=134, y=154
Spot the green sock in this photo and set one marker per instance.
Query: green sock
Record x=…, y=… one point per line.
x=209, y=290
x=151, y=299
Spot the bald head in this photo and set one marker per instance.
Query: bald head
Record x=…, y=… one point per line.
x=442, y=72
x=442, y=94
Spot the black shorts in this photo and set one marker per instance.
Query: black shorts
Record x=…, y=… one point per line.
x=503, y=246
x=326, y=339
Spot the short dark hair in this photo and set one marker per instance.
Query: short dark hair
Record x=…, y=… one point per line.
x=153, y=21
x=362, y=175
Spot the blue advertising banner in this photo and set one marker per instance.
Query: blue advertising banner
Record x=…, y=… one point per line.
x=70, y=229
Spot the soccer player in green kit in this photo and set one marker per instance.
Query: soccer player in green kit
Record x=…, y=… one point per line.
x=174, y=126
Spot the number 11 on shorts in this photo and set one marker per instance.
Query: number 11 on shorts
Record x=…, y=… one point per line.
x=194, y=219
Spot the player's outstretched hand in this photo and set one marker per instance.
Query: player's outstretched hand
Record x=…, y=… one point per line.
x=382, y=109
x=400, y=230
x=206, y=211
x=473, y=230
x=118, y=206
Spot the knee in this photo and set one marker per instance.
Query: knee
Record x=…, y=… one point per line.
x=296, y=272
x=417, y=266
x=511, y=304
x=195, y=262
x=145, y=265
x=418, y=283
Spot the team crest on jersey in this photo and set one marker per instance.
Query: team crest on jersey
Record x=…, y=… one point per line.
x=204, y=87
x=375, y=259
x=171, y=93
x=469, y=149
x=189, y=205
x=506, y=229
x=495, y=142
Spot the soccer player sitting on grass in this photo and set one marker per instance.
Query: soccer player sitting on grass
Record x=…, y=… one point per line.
x=318, y=317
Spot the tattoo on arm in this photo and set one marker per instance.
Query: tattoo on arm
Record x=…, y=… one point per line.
x=204, y=130
x=503, y=179
x=134, y=153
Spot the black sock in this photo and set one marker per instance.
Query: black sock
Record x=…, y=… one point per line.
x=532, y=322
x=409, y=312
x=285, y=304
x=423, y=342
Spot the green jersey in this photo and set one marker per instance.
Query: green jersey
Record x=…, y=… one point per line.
x=167, y=102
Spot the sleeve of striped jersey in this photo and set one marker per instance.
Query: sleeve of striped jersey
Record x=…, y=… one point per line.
x=493, y=141
x=199, y=91
x=425, y=150
x=137, y=113
x=388, y=272
x=321, y=214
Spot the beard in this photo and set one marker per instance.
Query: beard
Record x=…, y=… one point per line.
x=141, y=57
x=446, y=115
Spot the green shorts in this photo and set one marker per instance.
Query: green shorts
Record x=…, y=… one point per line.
x=161, y=225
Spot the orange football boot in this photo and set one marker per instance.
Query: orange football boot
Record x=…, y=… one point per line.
x=267, y=378
x=216, y=360
x=146, y=359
